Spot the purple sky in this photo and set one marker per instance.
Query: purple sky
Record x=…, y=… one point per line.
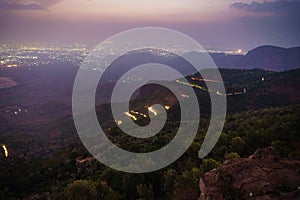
x=226, y=24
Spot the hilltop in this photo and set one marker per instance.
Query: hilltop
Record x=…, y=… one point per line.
x=266, y=57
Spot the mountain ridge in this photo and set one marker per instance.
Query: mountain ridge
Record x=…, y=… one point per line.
x=267, y=57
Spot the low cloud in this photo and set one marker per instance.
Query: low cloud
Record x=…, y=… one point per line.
x=27, y=4
x=277, y=7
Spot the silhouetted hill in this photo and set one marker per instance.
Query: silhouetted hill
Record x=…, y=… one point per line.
x=270, y=58
x=245, y=90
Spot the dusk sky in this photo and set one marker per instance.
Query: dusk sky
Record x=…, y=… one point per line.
x=218, y=24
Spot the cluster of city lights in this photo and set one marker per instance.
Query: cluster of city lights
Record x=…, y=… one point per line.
x=36, y=55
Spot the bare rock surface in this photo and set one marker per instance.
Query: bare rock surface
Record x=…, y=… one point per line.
x=262, y=176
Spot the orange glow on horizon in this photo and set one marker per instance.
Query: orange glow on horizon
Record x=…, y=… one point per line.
x=134, y=10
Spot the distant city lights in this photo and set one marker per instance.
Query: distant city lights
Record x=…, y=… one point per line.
x=38, y=54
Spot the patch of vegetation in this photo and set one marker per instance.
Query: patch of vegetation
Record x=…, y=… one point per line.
x=72, y=172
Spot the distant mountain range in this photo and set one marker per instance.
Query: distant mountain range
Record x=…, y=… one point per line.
x=269, y=58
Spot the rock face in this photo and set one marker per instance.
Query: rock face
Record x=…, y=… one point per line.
x=263, y=176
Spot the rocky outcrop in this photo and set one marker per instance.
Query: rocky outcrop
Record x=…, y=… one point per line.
x=42, y=196
x=263, y=176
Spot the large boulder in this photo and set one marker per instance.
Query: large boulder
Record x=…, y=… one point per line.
x=263, y=176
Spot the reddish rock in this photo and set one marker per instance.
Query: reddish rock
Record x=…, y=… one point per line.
x=263, y=176
x=42, y=196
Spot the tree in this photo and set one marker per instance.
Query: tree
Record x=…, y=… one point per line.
x=238, y=145
x=81, y=190
x=145, y=191
x=209, y=164
x=231, y=155
x=86, y=189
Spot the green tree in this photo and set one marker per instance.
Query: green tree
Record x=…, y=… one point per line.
x=86, y=189
x=231, y=155
x=81, y=190
x=238, y=145
x=209, y=164
x=145, y=191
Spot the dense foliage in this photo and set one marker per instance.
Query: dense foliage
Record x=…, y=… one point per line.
x=73, y=174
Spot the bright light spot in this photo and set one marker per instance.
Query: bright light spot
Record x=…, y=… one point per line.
x=205, y=80
x=263, y=79
x=204, y=89
x=119, y=122
x=167, y=107
x=137, y=113
x=5, y=150
x=184, y=96
x=152, y=110
x=192, y=85
x=12, y=65
x=239, y=51
x=219, y=93
x=130, y=115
